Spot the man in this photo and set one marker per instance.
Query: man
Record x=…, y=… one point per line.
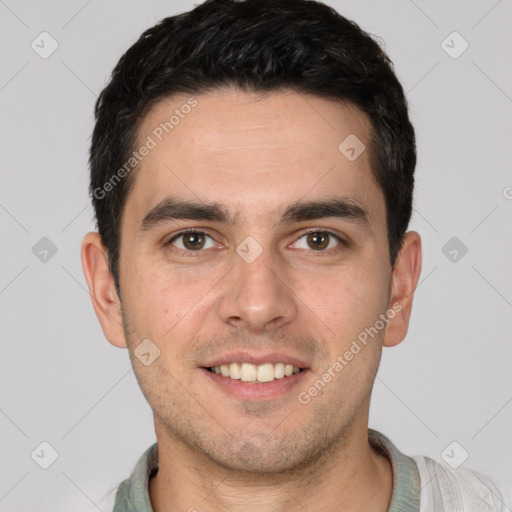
x=252, y=172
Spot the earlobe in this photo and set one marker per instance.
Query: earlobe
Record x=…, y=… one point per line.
x=102, y=290
x=404, y=279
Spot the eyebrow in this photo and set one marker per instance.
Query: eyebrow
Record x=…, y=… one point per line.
x=172, y=208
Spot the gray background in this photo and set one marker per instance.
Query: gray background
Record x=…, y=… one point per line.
x=64, y=384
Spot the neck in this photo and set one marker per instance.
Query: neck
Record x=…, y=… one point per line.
x=351, y=476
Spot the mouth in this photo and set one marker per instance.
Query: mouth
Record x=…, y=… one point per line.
x=253, y=376
x=248, y=372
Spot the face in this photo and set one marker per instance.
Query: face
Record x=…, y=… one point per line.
x=255, y=281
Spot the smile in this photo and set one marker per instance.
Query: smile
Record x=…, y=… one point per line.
x=247, y=372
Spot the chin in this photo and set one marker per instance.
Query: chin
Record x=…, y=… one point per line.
x=264, y=455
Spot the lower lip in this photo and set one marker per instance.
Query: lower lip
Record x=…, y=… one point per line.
x=255, y=390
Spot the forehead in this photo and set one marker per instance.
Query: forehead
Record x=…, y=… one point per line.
x=254, y=153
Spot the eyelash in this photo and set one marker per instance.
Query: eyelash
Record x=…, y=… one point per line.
x=199, y=251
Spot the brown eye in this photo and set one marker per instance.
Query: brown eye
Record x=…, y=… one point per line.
x=320, y=241
x=192, y=241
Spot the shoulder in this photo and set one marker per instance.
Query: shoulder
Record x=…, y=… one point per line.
x=447, y=489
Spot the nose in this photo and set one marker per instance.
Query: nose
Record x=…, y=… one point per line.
x=258, y=295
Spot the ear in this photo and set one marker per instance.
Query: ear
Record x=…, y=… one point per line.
x=404, y=279
x=103, y=293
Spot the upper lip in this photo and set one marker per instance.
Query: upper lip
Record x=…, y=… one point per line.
x=256, y=358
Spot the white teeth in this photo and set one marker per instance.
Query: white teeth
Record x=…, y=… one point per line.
x=248, y=372
x=253, y=373
x=265, y=373
x=234, y=370
x=279, y=371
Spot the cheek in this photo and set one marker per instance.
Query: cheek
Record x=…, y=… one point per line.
x=353, y=313
x=348, y=300
x=167, y=302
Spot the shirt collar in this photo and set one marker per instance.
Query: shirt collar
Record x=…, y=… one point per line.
x=406, y=477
